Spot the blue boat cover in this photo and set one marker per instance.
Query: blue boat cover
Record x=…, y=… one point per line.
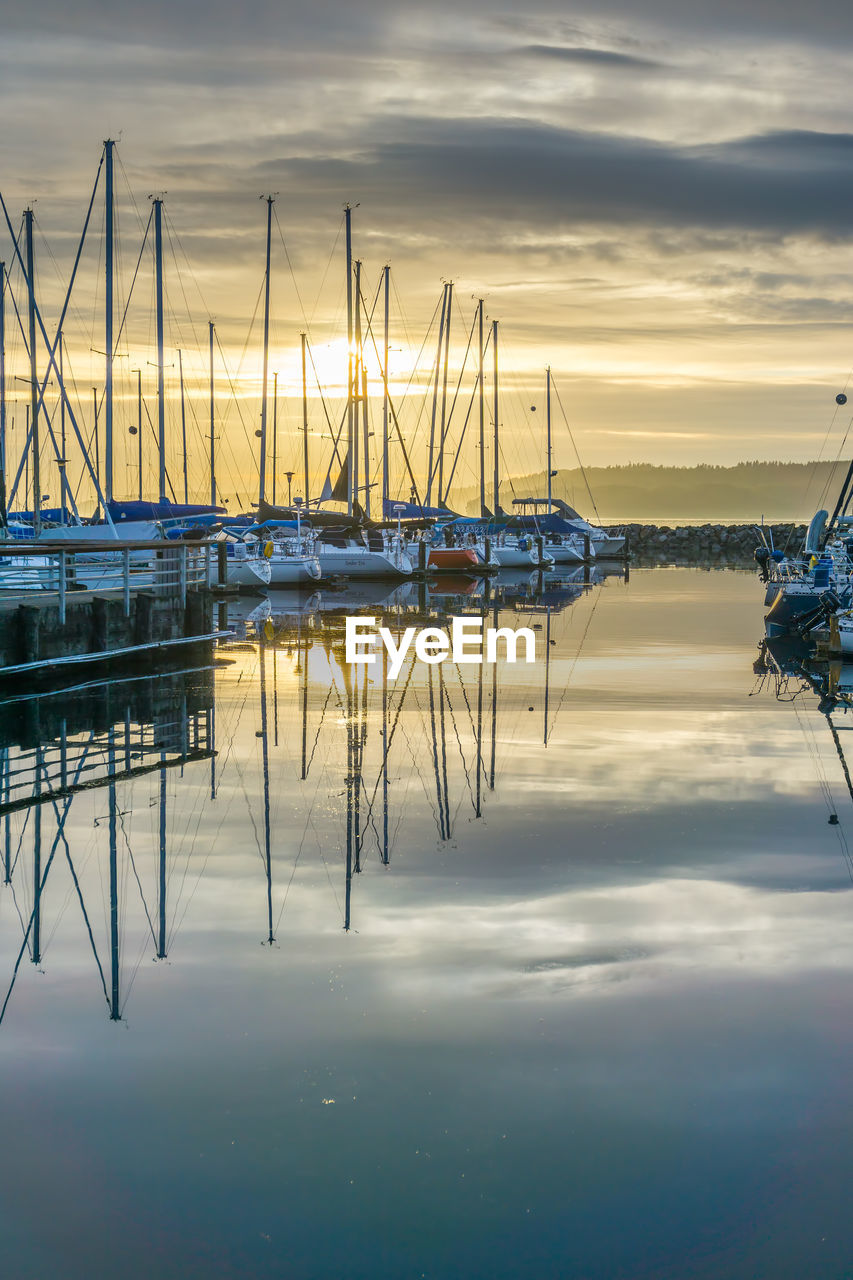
x=136, y=510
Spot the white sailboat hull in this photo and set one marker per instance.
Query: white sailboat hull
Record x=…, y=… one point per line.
x=360, y=562
x=564, y=553
x=288, y=571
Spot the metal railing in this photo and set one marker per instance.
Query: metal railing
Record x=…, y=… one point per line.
x=168, y=569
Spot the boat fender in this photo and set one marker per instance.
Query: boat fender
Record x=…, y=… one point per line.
x=269, y=548
x=815, y=530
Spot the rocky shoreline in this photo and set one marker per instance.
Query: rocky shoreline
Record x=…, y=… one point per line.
x=704, y=543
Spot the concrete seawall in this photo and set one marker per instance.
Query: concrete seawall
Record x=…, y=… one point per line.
x=704, y=543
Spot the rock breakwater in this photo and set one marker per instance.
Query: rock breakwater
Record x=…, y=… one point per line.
x=694, y=544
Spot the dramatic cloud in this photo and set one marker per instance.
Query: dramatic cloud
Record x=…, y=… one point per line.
x=653, y=199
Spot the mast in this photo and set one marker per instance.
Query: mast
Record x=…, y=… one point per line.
x=350, y=440
x=444, y=390
x=482, y=415
x=303, y=675
x=62, y=473
x=183, y=423
x=435, y=396
x=547, y=671
x=356, y=388
x=274, y=431
x=161, y=387
x=161, y=895
x=385, y=854
x=385, y=487
x=304, y=423
x=115, y=1012
x=212, y=454
x=37, y=881
x=263, y=461
x=3, y=394
x=34, y=391
x=109, y=254
x=548, y=427
x=266, y=766
x=139, y=427
x=97, y=438
x=497, y=482
x=364, y=413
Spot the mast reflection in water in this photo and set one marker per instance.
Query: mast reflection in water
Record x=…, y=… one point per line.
x=356, y=746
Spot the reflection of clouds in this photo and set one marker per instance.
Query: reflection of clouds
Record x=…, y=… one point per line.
x=590, y=942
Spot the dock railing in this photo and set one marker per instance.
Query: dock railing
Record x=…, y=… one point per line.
x=168, y=569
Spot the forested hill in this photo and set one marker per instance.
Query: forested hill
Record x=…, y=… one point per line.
x=745, y=492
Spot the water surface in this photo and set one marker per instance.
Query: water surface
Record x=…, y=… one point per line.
x=545, y=974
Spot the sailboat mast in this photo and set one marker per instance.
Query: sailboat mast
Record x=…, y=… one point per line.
x=497, y=478
x=263, y=461
x=183, y=423
x=212, y=446
x=63, y=477
x=161, y=904
x=548, y=428
x=350, y=432
x=274, y=432
x=37, y=878
x=266, y=768
x=109, y=254
x=138, y=428
x=3, y=393
x=444, y=390
x=385, y=487
x=482, y=414
x=34, y=396
x=356, y=389
x=161, y=382
x=304, y=338
x=435, y=395
x=115, y=1012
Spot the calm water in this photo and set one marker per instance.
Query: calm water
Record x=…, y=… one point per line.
x=591, y=1015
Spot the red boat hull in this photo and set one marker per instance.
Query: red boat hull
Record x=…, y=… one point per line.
x=458, y=558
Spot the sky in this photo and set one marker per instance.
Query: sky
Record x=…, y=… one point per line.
x=653, y=198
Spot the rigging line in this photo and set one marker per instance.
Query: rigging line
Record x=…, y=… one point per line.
x=136, y=877
x=133, y=281
x=123, y=171
x=457, y=452
x=85, y=916
x=25, y=942
x=323, y=402
x=234, y=398
x=570, y=676
x=575, y=447
x=171, y=231
x=290, y=267
x=328, y=265
x=823, y=781
x=319, y=727
x=461, y=752
x=391, y=736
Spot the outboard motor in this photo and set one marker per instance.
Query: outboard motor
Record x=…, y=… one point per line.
x=762, y=559
x=827, y=605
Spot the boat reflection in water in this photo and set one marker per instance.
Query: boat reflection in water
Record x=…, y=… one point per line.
x=119, y=793
x=789, y=666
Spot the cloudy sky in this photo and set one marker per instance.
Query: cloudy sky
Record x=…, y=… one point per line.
x=654, y=197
